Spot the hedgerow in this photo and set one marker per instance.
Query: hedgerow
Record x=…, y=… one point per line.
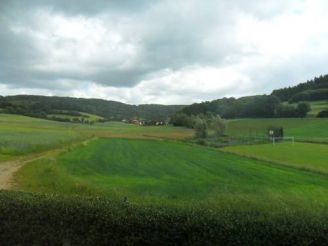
x=31, y=219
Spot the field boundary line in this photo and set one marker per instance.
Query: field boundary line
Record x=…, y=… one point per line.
x=276, y=163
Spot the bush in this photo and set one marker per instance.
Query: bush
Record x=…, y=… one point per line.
x=29, y=219
x=323, y=114
x=218, y=125
x=181, y=119
x=302, y=109
x=200, y=127
x=286, y=111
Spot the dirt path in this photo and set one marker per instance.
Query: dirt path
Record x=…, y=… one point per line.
x=9, y=168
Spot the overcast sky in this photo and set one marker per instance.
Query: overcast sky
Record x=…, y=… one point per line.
x=169, y=52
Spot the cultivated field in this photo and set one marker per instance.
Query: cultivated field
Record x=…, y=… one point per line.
x=23, y=135
x=307, y=129
x=146, y=177
x=305, y=156
x=173, y=173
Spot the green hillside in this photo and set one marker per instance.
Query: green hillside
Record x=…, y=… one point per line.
x=299, y=91
x=302, y=129
x=161, y=172
x=42, y=106
x=316, y=107
x=312, y=93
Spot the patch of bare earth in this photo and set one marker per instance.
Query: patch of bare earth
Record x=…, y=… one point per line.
x=9, y=168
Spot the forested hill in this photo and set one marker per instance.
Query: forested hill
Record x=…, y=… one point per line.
x=316, y=89
x=281, y=102
x=41, y=106
x=259, y=106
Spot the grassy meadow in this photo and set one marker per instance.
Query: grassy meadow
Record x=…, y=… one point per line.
x=21, y=135
x=317, y=107
x=306, y=156
x=174, y=173
x=307, y=129
x=82, y=116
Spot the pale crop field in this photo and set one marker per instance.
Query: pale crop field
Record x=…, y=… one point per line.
x=306, y=156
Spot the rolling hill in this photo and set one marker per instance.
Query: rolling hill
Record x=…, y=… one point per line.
x=42, y=106
x=281, y=103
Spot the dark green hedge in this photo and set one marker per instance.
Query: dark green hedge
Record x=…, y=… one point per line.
x=323, y=114
x=27, y=219
x=310, y=95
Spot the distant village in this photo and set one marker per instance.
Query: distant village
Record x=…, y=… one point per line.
x=142, y=122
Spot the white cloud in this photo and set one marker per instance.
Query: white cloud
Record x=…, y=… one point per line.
x=167, y=52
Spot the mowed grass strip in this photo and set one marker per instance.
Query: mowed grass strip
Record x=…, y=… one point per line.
x=301, y=128
x=166, y=172
x=307, y=156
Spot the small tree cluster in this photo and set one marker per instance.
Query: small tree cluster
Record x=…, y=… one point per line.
x=201, y=123
x=287, y=110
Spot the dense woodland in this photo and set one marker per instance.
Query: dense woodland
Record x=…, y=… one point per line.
x=41, y=106
x=316, y=89
x=283, y=103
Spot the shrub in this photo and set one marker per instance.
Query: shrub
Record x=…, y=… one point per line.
x=323, y=114
x=200, y=126
x=302, y=109
x=29, y=219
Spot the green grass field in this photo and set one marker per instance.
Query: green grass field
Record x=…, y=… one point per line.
x=113, y=177
x=85, y=116
x=174, y=173
x=127, y=161
x=307, y=156
x=306, y=129
x=21, y=135
x=317, y=107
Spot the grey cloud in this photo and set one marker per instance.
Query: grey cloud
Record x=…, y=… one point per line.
x=166, y=34
x=78, y=7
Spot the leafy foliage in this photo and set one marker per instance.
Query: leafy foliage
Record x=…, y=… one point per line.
x=41, y=106
x=248, y=107
x=323, y=114
x=30, y=219
x=288, y=110
x=286, y=94
x=201, y=123
x=253, y=107
x=200, y=126
x=310, y=95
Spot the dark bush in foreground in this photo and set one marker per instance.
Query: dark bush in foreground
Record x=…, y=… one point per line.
x=323, y=114
x=27, y=219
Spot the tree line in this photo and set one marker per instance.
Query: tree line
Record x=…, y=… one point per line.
x=264, y=106
x=305, y=91
x=41, y=106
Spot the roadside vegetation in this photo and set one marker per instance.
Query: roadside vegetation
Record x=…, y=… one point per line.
x=61, y=220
